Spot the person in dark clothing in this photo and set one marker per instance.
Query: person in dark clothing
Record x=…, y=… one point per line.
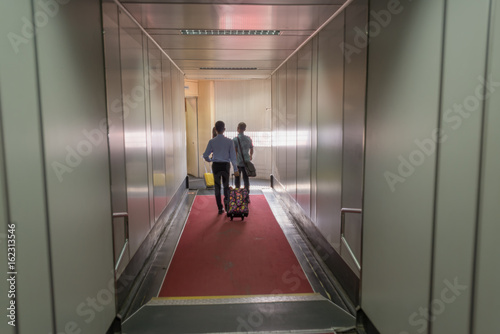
x=246, y=150
x=224, y=155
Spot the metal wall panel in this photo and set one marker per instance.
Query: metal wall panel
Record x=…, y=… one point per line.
x=314, y=130
x=155, y=87
x=134, y=113
x=5, y=299
x=458, y=169
x=73, y=109
x=353, y=132
x=291, y=127
x=148, y=129
x=179, y=126
x=116, y=133
x=22, y=149
x=486, y=290
x=404, y=65
x=304, y=127
x=274, y=124
x=329, y=150
x=281, y=138
x=171, y=186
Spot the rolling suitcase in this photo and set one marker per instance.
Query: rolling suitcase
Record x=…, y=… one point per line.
x=238, y=203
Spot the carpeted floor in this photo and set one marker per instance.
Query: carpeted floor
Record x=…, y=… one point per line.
x=219, y=257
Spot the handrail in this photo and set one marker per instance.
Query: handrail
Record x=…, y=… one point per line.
x=124, y=248
x=343, y=211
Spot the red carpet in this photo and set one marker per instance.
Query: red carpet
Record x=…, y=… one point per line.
x=219, y=257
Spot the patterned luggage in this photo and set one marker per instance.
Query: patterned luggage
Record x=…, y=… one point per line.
x=238, y=203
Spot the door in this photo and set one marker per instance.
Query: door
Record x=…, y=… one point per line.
x=193, y=154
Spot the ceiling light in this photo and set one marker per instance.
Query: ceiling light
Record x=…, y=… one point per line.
x=216, y=32
x=229, y=68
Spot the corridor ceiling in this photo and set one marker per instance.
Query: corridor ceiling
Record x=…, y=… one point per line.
x=211, y=57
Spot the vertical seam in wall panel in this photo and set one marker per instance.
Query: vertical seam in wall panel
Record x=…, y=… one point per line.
x=147, y=127
x=343, y=119
x=108, y=146
x=286, y=131
x=118, y=12
x=297, y=130
x=480, y=177
x=436, y=170
x=364, y=157
x=315, y=72
x=44, y=172
x=6, y=187
x=163, y=139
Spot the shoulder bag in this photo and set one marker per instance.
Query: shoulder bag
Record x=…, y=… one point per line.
x=249, y=167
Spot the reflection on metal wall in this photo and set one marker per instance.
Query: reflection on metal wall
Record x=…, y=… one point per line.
x=23, y=181
x=247, y=101
x=148, y=159
x=487, y=291
x=423, y=203
x=353, y=134
x=291, y=127
x=397, y=227
x=330, y=106
x=304, y=128
x=318, y=135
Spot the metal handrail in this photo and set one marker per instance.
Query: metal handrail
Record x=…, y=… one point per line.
x=343, y=211
x=122, y=215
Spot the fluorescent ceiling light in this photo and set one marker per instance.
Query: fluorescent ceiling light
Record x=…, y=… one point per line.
x=229, y=68
x=216, y=32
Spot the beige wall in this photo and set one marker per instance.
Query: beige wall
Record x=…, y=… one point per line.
x=204, y=91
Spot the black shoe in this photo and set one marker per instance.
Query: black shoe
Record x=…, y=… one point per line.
x=221, y=211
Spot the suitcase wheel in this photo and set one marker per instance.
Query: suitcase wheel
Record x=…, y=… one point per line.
x=242, y=217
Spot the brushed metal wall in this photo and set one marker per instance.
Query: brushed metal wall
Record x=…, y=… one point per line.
x=157, y=130
x=56, y=159
x=71, y=78
x=356, y=16
x=402, y=105
x=329, y=125
x=304, y=127
x=429, y=194
x=318, y=104
x=458, y=169
x=5, y=327
x=23, y=181
x=291, y=128
x=147, y=130
x=486, y=289
x=135, y=131
x=281, y=138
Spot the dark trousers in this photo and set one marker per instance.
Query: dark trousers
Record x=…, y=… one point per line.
x=246, y=181
x=221, y=170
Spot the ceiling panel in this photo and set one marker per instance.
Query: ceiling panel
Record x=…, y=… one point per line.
x=210, y=16
x=297, y=20
x=240, y=2
x=229, y=42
